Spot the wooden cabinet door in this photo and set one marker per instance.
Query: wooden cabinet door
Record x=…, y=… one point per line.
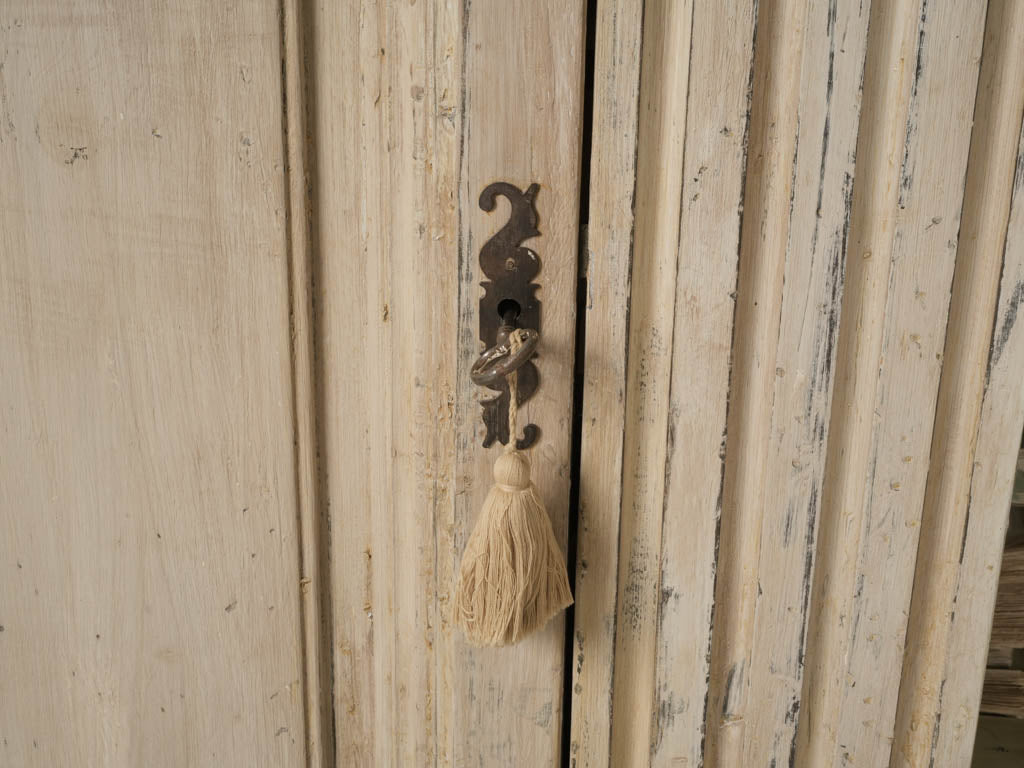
x=149, y=548
x=802, y=391
x=415, y=108
x=242, y=453
x=782, y=249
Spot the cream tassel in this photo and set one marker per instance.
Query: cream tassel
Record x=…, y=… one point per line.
x=512, y=578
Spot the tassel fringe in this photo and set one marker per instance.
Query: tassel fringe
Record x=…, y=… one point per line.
x=512, y=579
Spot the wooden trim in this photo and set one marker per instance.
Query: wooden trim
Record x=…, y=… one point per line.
x=313, y=584
x=416, y=108
x=978, y=423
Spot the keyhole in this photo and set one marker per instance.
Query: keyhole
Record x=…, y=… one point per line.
x=508, y=311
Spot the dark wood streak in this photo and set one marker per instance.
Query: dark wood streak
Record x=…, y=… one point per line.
x=744, y=157
x=625, y=357
x=906, y=171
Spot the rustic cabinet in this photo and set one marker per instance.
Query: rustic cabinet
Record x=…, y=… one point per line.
x=780, y=381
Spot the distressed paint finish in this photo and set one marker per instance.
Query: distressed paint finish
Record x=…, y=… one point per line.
x=415, y=109
x=919, y=101
x=262, y=444
x=149, y=575
x=767, y=194
x=609, y=243
x=715, y=149
x=807, y=275
x=796, y=211
x=845, y=91
x=682, y=246
x=977, y=423
x=1002, y=419
x=662, y=110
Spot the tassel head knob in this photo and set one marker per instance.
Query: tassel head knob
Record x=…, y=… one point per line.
x=512, y=470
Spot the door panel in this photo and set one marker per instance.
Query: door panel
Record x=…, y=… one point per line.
x=148, y=522
x=813, y=472
x=242, y=453
x=415, y=109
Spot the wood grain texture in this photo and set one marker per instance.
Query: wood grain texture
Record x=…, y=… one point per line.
x=609, y=257
x=1008, y=613
x=953, y=586
x=1002, y=419
x=912, y=154
x=702, y=344
x=314, y=578
x=663, y=101
x=148, y=520
x=841, y=91
x=415, y=109
x=639, y=487
x=807, y=91
x=1003, y=692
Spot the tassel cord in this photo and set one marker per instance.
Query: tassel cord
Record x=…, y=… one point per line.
x=515, y=341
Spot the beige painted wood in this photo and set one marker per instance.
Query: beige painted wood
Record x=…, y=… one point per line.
x=415, y=108
x=662, y=130
x=799, y=183
x=973, y=448
x=912, y=154
x=609, y=260
x=149, y=578
x=692, y=101
x=703, y=341
x=241, y=449
x=858, y=153
x=1002, y=419
x=313, y=582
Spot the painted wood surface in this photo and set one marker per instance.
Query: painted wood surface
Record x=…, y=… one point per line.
x=978, y=421
x=609, y=257
x=415, y=108
x=904, y=227
x=242, y=452
x=148, y=516
x=797, y=209
x=854, y=218
x=679, y=232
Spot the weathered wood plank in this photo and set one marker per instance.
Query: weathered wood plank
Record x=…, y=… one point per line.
x=912, y=153
x=1002, y=418
x=767, y=194
x=793, y=366
x=313, y=582
x=522, y=119
x=715, y=148
x=684, y=242
x=804, y=127
x=949, y=590
x=663, y=100
x=148, y=521
x=416, y=109
x=609, y=258
x=378, y=123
